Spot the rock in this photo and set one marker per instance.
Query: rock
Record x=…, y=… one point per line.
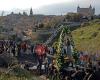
x=43, y=77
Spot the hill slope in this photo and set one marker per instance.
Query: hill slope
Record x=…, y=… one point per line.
x=87, y=38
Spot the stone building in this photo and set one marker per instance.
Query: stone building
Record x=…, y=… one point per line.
x=86, y=12
x=31, y=12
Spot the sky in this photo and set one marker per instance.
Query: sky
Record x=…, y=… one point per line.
x=46, y=6
x=23, y=4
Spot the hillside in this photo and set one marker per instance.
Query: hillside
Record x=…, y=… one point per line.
x=87, y=37
x=21, y=24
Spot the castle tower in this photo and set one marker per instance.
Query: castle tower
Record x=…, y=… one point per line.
x=78, y=8
x=31, y=12
x=93, y=10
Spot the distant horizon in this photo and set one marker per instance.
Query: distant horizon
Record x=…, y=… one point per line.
x=59, y=7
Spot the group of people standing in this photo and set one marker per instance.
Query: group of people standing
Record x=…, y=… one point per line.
x=77, y=72
x=40, y=52
x=83, y=73
x=8, y=46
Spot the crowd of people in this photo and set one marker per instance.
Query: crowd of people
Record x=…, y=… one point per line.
x=88, y=72
x=10, y=46
x=7, y=46
x=85, y=70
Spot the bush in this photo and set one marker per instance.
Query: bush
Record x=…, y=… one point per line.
x=99, y=29
x=94, y=34
x=7, y=60
x=19, y=72
x=85, y=24
x=82, y=32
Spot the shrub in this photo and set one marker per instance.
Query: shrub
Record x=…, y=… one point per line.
x=85, y=24
x=94, y=34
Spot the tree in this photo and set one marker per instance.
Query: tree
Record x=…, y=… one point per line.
x=24, y=13
x=74, y=17
x=41, y=25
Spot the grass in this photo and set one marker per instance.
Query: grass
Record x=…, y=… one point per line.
x=18, y=74
x=87, y=38
x=4, y=76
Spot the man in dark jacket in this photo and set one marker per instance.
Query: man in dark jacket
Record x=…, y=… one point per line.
x=77, y=75
x=96, y=75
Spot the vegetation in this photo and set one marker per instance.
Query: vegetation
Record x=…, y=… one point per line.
x=65, y=33
x=87, y=37
x=18, y=74
x=73, y=17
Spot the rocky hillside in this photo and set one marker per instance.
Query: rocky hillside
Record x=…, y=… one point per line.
x=87, y=37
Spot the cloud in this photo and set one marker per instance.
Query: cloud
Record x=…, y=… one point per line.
x=22, y=4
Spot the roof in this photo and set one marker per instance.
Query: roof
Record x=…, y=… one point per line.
x=84, y=9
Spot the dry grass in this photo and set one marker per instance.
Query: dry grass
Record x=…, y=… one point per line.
x=87, y=38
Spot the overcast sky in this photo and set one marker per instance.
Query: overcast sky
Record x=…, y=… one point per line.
x=46, y=6
x=23, y=4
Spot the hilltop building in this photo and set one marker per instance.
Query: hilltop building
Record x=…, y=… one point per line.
x=86, y=12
